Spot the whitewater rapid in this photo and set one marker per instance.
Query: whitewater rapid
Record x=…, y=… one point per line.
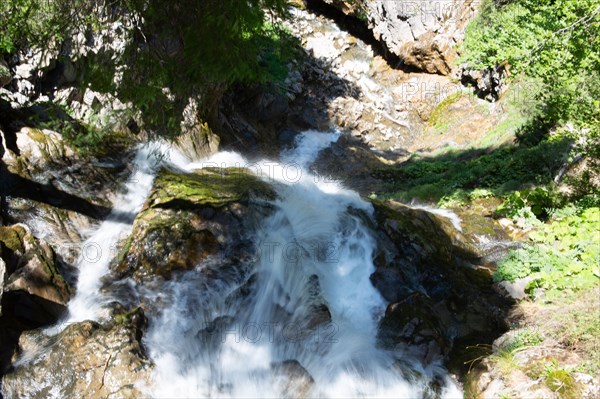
x=315, y=250
x=101, y=247
x=316, y=258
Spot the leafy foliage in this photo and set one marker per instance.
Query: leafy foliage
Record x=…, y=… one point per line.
x=36, y=23
x=554, y=44
x=462, y=172
x=539, y=203
x=176, y=50
x=563, y=255
x=539, y=36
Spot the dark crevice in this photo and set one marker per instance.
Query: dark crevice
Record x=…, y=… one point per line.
x=14, y=185
x=360, y=30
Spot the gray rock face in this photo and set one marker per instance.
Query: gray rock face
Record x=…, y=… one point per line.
x=422, y=33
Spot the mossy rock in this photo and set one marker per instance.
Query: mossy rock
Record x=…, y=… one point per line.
x=12, y=237
x=190, y=218
x=435, y=235
x=416, y=228
x=210, y=186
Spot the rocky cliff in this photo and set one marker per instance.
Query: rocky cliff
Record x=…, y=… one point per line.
x=423, y=34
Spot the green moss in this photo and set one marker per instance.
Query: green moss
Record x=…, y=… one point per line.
x=127, y=317
x=4, y=72
x=37, y=135
x=12, y=237
x=437, y=116
x=214, y=187
x=562, y=382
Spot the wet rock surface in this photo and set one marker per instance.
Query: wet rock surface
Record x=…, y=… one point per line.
x=413, y=327
x=99, y=361
x=437, y=283
x=52, y=189
x=193, y=218
x=35, y=293
x=293, y=379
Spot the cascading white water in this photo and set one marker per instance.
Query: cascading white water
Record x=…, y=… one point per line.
x=307, y=327
x=315, y=251
x=100, y=248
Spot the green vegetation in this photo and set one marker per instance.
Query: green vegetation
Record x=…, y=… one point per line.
x=563, y=255
x=174, y=51
x=555, y=44
x=458, y=173
x=4, y=72
x=95, y=137
x=522, y=338
x=25, y=22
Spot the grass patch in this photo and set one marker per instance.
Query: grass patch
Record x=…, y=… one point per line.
x=499, y=171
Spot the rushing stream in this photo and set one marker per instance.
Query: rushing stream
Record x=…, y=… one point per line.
x=100, y=248
x=308, y=327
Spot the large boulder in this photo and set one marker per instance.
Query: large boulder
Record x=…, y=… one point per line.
x=35, y=293
x=49, y=186
x=437, y=281
x=423, y=34
x=413, y=327
x=86, y=360
x=189, y=219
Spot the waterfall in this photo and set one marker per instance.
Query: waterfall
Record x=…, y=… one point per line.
x=307, y=327
x=100, y=248
x=315, y=251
